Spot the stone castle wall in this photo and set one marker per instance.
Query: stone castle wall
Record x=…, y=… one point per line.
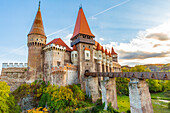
x=14, y=74
x=64, y=75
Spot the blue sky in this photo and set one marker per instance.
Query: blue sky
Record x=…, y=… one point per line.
x=115, y=27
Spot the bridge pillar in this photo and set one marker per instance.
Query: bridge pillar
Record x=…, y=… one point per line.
x=99, y=69
x=140, y=99
x=92, y=88
x=109, y=94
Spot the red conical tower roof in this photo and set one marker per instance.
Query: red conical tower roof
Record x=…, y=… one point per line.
x=74, y=48
x=37, y=27
x=81, y=26
x=113, y=52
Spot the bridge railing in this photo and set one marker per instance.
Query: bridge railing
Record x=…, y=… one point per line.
x=139, y=75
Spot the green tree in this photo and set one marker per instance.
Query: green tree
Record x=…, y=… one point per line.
x=122, y=83
x=140, y=68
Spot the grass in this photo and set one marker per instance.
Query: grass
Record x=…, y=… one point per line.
x=123, y=103
x=160, y=96
x=158, y=106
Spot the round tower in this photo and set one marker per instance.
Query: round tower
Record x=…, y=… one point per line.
x=36, y=41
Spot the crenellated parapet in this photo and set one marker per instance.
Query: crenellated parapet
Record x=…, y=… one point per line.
x=14, y=65
x=63, y=68
x=54, y=47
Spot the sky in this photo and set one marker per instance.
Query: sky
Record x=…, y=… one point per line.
x=139, y=30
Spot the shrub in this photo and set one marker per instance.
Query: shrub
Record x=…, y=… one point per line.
x=59, y=98
x=110, y=109
x=38, y=110
x=77, y=92
x=13, y=106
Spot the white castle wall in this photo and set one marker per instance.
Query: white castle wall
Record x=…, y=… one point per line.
x=14, y=65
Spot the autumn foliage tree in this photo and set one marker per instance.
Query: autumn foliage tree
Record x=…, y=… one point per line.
x=4, y=94
x=7, y=102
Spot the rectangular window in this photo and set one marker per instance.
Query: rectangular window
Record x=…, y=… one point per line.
x=87, y=54
x=75, y=55
x=72, y=55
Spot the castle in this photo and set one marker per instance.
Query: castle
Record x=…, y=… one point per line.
x=57, y=62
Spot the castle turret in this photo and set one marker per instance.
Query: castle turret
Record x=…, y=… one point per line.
x=107, y=61
x=104, y=60
x=36, y=40
x=99, y=51
x=83, y=40
x=74, y=55
x=114, y=55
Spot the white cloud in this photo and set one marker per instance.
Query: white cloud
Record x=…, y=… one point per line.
x=150, y=46
x=101, y=39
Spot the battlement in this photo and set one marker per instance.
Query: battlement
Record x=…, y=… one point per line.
x=14, y=65
x=55, y=46
x=64, y=68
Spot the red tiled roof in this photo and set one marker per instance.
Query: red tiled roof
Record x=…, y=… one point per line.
x=87, y=49
x=81, y=26
x=74, y=48
x=103, y=51
x=37, y=27
x=98, y=47
x=59, y=41
x=113, y=52
x=110, y=54
x=106, y=52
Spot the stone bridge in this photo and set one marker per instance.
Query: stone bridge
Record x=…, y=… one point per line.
x=104, y=82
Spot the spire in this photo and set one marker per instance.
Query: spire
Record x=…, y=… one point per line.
x=39, y=6
x=113, y=52
x=37, y=27
x=81, y=26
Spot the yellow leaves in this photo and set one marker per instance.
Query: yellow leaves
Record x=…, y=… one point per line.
x=4, y=94
x=38, y=110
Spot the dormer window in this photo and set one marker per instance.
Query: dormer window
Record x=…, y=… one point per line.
x=87, y=54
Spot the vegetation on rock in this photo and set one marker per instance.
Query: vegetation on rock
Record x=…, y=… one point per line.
x=8, y=103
